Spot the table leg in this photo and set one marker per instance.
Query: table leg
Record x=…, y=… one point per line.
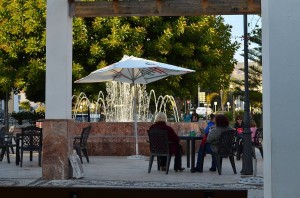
x=238, y=150
x=17, y=151
x=193, y=154
x=188, y=146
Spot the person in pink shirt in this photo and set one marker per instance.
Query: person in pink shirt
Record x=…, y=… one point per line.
x=253, y=129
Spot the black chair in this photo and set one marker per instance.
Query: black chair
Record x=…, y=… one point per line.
x=3, y=145
x=80, y=143
x=225, y=149
x=31, y=140
x=159, y=146
x=238, y=145
x=6, y=143
x=258, y=142
x=11, y=137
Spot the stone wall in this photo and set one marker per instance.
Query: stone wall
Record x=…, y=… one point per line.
x=117, y=139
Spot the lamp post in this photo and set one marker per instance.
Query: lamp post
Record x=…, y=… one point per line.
x=228, y=106
x=198, y=95
x=215, y=103
x=205, y=105
x=92, y=111
x=247, y=168
x=81, y=113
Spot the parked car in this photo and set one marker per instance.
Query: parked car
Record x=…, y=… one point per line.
x=201, y=111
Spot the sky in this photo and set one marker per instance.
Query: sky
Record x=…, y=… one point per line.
x=238, y=30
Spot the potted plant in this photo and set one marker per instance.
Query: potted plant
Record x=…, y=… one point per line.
x=19, y=116
x=34, y=116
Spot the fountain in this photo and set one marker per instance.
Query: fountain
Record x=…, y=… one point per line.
x=114, y=131
x=117, y=105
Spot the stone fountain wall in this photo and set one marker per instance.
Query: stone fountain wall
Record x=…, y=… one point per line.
x=117, y=138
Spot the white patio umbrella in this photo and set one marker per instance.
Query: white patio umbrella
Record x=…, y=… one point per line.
x=135, y=71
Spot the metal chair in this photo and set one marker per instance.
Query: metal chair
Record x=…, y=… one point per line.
x=258, y=142
x=6, y=144
x=238, y=145
x=159, y=146
x=225, y=149
x=80, y=143
x=11, y=137
x=31, y=140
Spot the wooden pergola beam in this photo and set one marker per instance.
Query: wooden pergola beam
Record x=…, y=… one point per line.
x=163, y=7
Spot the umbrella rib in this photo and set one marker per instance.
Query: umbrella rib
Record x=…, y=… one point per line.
x=119, y=73
x=134, y=77
x=143, y=76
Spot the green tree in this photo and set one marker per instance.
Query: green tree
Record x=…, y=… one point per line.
x=22, y=47
x=199, y=43
x=25, y=105
x=254, y=70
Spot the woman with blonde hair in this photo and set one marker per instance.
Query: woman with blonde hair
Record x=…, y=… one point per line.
x=160, y=123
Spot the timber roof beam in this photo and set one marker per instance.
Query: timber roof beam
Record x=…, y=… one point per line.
x=163, y=7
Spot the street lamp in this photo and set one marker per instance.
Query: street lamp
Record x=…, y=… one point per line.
x=228, y=106
x=92, y=111
x=247, y=168
x=215, y=103
x=205, y=105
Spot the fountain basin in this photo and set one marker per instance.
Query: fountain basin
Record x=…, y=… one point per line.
x=117, y=138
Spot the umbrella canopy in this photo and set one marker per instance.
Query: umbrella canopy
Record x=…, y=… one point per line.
x=135, y=71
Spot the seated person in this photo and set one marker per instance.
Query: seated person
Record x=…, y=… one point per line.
x=203, y=148
x=194, y=116
x=222, y=124
x=187, y=116
x=160, y=123
x=239, y=125
x=253, y=129
x=102, y=116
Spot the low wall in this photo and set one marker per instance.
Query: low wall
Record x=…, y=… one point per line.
x=117, y=139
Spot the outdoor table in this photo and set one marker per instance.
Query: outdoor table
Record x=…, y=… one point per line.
x=190, y=144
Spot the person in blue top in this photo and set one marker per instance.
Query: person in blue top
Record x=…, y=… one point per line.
x=187, y=116
x=210, y=124
x=205, y=148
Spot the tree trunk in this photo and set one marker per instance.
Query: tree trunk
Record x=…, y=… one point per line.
x=221, y=94
x=6, y=121
x=178, y=102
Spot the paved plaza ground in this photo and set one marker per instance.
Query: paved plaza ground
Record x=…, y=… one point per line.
x=121, y=172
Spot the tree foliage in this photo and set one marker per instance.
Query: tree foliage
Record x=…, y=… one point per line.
x=199, y=43
x=254, y=70
x=22, y=47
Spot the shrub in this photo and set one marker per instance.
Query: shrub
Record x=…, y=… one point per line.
x=27, y=115
x=20, y=116
x=257, y=117
x=229, y=115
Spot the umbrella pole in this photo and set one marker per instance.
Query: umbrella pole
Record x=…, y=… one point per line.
x=135, y=121
x=136, y=156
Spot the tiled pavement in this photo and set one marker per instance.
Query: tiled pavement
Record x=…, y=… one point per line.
x=121, y=172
